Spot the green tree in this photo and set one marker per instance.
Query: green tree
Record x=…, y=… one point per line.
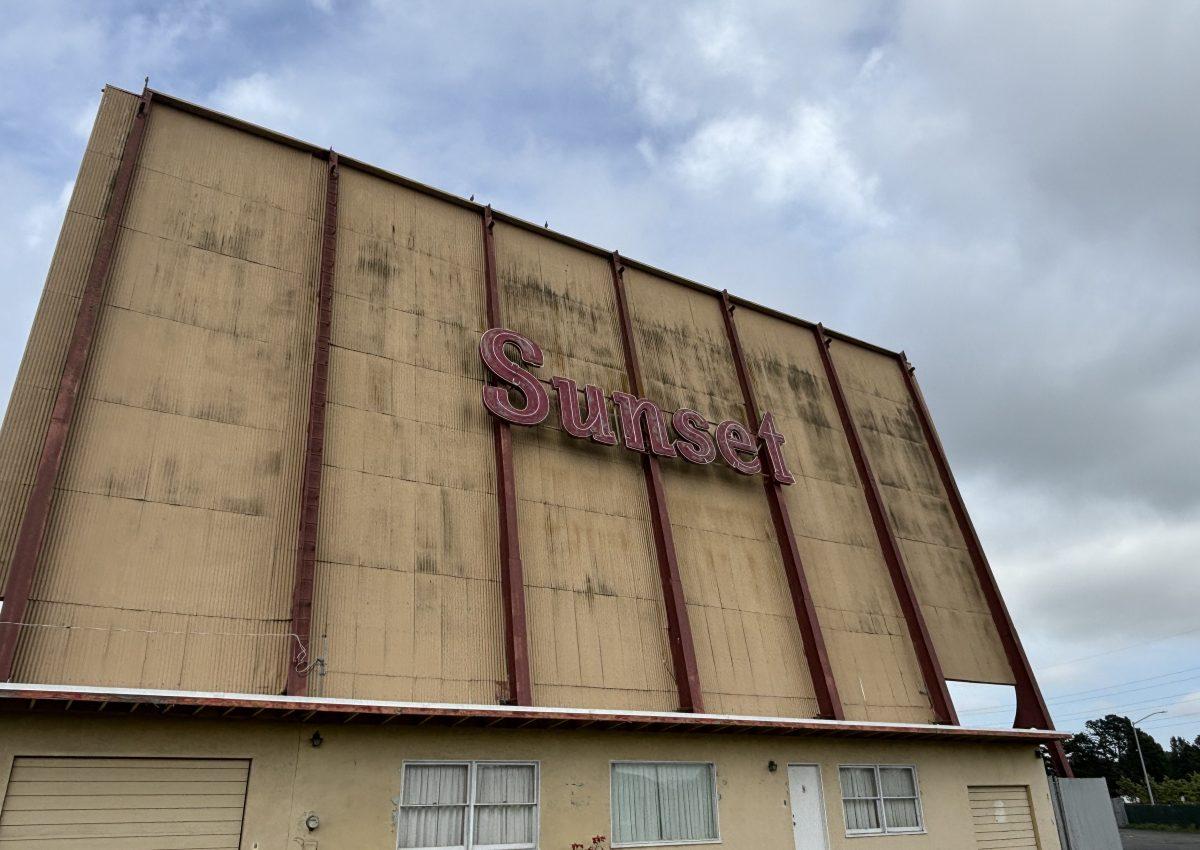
x=1126, y=787
x=1184, y=758
x=1107, y=749
x=1186, y=789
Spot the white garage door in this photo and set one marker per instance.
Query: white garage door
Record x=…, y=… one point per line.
x=125, y=803
x=1003, y=817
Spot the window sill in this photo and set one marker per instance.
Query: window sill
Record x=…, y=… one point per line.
x=890, y=834
x=687, y=843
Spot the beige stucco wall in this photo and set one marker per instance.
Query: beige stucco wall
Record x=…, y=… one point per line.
x=351, y=780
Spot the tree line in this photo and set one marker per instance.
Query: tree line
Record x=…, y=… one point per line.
x=1108, y=749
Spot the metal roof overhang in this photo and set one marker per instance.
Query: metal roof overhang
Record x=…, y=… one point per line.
x=18, y=698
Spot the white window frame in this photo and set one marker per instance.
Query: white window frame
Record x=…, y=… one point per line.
x=469, y=826
x=880, y=809
x=712, y=772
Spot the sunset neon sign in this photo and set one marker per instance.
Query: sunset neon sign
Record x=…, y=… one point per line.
x=643, y=424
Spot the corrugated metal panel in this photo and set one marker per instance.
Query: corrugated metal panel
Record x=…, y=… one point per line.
x=870, y=651
x=1085, y=816
x=28, y=410
x=172, y=533
x=126, y=803
x=407, y=594
x=956, y=612
x=748, y=645
x=171, y=549
x=1002, y=817
x=596, y=618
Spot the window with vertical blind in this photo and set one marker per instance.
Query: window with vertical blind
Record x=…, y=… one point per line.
x=663, y=803
x=469, y=804
x=880, y=798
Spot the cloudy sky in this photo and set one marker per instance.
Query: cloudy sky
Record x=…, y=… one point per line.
x=1008, y=191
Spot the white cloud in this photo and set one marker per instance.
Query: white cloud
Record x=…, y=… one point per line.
x=798, y=159
x=43, y=220
x=258, y=97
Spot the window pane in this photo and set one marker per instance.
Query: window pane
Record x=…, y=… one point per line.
x=858, y=782
x=685, y=800
x=435, y=784
x=432, y=826
x=635, y=803
x=901, y=814
x=504, y=824
x=897, y=782
x=861, y=814
x=504, y=783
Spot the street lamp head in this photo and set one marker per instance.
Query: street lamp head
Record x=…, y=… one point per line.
x=1148, y=716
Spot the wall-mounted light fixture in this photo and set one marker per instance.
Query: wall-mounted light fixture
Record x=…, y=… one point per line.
x=772, y=766
x=316, y=739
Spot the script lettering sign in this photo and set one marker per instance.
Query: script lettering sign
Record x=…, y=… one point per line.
x=643, y=425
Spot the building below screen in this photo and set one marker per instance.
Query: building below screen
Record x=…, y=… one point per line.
x=308, y=541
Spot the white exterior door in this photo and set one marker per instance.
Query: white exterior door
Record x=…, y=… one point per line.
x=808, y=809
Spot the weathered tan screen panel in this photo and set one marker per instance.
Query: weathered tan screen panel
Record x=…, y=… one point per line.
x=407, y=595
x=869, y=645
x=171, y=538
x=748, y=647
x=935, y=553
x=593, y=594
x=28, y=410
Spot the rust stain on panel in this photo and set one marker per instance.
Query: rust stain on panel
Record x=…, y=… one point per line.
x=198, y=353
x=935, y=681
x=31, y=534
x=850, y=583
x=408, y=458
x=512, y=576
x=303, y=657
x=815, y=651
x=683, y=651
x=920, y=512
x=749, y=651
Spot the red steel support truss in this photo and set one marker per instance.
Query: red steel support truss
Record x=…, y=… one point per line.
x=829, y=703
x=512, y=573
x=32, y=532
x=1031, y=707
x=931, y=668
x=679, y=627
x=314, y=454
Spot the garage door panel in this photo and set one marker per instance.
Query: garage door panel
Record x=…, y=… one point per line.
x=123, y=773
x=87, y=802
x=62, y=831
x=178, y=842
x=125, y=788
x=131, y=804
x=16, y=817
x=126, y=762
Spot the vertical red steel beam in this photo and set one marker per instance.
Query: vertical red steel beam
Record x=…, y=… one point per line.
x=314, y=454
x=512, y=572
x=679, y=627
x=1031, y=707
x=32, y=532
x=931, y=668
x=829, y=703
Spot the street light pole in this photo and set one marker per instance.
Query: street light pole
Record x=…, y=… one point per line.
x=1145, y=775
